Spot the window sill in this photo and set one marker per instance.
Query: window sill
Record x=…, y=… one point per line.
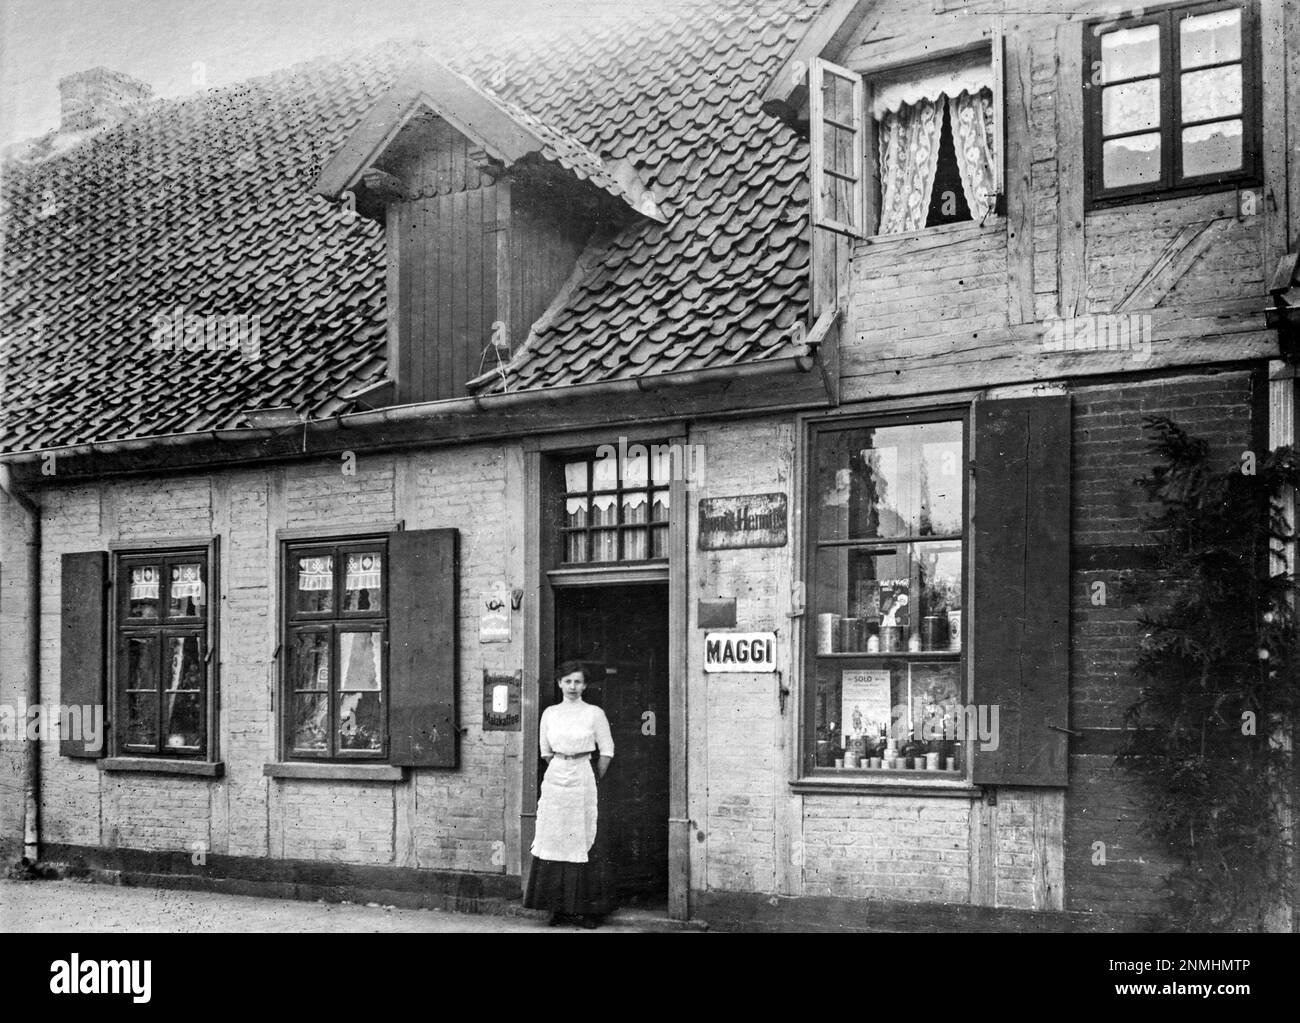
x=148, y=765
x=335, y=772
x=993, y=224
x=887, y=783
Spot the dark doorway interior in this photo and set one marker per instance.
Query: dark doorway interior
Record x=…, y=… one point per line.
x=621, y=632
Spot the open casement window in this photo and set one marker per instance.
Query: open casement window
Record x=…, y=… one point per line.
x=937, y=142
x=369, y=649
x=1173, y=101
x=836, y=108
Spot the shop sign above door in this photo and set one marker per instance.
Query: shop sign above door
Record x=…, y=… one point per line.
x=751, y=520
x=753, y=652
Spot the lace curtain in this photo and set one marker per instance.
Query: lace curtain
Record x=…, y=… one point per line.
x=909, y=157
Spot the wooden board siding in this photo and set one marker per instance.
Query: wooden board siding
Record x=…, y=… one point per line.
x=430, y=157
x=447, y=291
x=545, y=243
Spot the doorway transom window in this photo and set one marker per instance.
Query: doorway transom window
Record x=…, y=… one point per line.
x=616, y=505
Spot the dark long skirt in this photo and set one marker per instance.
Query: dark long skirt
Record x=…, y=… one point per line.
x=577, y=889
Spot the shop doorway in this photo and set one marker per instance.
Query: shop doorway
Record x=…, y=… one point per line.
x=621, y=633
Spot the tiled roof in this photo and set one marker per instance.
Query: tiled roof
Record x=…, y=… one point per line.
x=207, y=204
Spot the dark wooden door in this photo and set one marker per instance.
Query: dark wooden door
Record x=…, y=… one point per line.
x=621, y=633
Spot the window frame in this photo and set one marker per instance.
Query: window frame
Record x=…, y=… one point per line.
x=162, y=628
x=856, y=226
x=809, y=772
x=332, y=623
x=1171, y=183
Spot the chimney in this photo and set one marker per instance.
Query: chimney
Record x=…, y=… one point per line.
x=98, y=96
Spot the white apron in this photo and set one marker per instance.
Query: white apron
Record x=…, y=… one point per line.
x=566, y=811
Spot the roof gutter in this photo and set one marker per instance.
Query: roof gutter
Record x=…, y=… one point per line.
x=435, y=411
x=31, y=617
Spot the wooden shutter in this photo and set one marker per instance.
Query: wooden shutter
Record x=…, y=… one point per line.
x=84, y=622
x=837, y=106
x=1020, y=641
x=422, y=636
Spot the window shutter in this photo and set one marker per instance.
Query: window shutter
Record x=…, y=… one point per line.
x=836, y=108
x=1020, y=642
x=84, y=621
x=422, y=635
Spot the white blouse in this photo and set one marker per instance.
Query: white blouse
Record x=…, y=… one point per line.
x=574, y=728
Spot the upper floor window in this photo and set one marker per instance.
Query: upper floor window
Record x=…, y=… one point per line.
x=1173, y=100
x=162, y=673
x=905, y=150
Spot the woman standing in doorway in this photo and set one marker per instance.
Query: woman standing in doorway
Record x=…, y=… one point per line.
x=570, y=875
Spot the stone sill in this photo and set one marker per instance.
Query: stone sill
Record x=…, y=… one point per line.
x=886, y=784
x=334, y=771
x=150, y=765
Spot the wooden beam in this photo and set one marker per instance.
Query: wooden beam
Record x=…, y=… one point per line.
x=1173, y=262
x=1273, y=203
x=679, y=823
x=830, y=29
x=1292, y=90
x=1070, y=266
x=1018, y=143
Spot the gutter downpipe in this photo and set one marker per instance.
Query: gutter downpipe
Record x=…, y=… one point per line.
x=435, y=410
x=31, y=748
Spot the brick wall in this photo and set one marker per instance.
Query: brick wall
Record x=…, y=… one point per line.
x=1104, y=805
x=436, y=819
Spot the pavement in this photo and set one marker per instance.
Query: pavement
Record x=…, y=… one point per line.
x=83, y=906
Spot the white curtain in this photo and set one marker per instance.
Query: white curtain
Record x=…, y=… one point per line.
x=971, y=117
x=909, y=154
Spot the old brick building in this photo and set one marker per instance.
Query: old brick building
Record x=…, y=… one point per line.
x=340, y=405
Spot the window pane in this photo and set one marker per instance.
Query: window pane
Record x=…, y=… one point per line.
x=186, y=597
x=363, y=582
x=659, y=506
x=874, y=709
x=1130, y=53
x=659, y=542
x=184, y=684
x=143, y=596
x=142, y=719
x=906, y=598
x=1134, y=106
x=575, y=477
x=310, y=722
x=141, y=663
x=309, y=660
x=604, y=545
x=1131, y=161
x=360, y=697
x=634, y=545
x=604, y=472
x=1212, y=148
x=890, y=481
x=360, y=660
x=315, y=583
x=1210, y=38
x=636, y=467
x=604, y=510
x=575, y=547
x=1212, y=93
x=636, y=507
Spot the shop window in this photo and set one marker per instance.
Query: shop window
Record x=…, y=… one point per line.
x=336, y=632
x=1173, y=101
x=163, y=669
x=616, y=505
x=886, y=581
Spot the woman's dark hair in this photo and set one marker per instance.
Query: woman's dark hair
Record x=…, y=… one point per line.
x=569, y=667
